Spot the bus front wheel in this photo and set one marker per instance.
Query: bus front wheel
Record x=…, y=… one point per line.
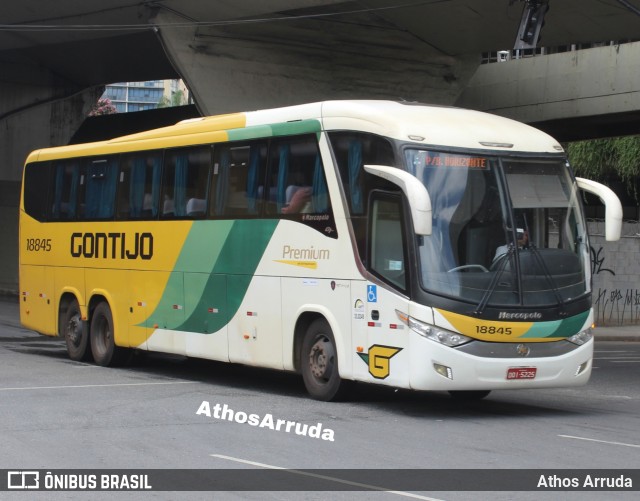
x=75, y=332
x=319, y=362
x=103, y=348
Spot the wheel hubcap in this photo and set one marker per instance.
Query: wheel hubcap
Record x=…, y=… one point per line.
x=74, y=330
x=321, y=359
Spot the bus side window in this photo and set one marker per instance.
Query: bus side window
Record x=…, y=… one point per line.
x=185, y=182
x=297, y=181
x=237, y=184
x=352, y=151
x=37, y=179
x=139, y=186
x=99, y=197
x=386, y=249
x=66, y=182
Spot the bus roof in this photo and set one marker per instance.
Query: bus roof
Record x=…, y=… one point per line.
x=413, y=122
x=438, y=125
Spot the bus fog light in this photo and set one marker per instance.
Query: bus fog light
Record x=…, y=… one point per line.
x=581, y=368
x=581, y=337
x=443, y=370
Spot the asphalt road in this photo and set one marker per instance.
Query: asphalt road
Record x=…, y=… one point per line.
x=61, y=414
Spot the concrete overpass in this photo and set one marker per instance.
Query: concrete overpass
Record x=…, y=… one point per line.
x=246, y=54
x=579, y=94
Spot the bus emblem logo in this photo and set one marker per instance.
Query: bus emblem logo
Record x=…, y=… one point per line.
x=378, y=360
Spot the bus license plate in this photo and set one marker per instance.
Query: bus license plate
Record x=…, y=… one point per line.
x=521, y=373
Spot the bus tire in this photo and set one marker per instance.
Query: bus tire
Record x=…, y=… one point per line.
x=319, y=362
x=103, y=348
x=75, y=332
x=469, y=394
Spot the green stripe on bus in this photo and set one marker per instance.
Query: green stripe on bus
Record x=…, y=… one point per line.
x=219, y=259
x=558, y=328
x=274, y=130
x=298, y=127
x=572, y=325
x=254, y=132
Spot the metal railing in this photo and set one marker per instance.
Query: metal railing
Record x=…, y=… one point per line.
x=502, y=56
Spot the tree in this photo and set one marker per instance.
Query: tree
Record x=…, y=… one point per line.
x=104, y=106
x=602, y=159
x=177, y=99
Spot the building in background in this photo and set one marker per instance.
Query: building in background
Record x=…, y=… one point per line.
x=140, y=96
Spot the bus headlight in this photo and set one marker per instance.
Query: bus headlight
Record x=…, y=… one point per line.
x=581, y=337
x=437, y=334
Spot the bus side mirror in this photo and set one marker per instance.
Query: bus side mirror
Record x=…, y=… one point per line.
x=613, y=207
x=415, y=191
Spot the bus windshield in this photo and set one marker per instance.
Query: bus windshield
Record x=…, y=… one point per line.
x=506, y=231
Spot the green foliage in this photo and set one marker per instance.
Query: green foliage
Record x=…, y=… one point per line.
x=177, y=99
x=600, y=159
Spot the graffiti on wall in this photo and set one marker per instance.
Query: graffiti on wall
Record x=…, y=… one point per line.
x=617, y=306
x=613, y=306
x=597, y=262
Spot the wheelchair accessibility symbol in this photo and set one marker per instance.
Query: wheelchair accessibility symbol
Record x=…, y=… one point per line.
x=372, y=293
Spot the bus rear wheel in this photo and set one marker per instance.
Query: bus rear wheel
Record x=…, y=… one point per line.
x=103, y=348
x=319, y=362
x=75, y=332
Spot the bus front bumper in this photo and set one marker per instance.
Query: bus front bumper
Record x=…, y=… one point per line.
x=438, y=367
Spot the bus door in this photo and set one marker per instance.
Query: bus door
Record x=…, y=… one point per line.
x=383, y=355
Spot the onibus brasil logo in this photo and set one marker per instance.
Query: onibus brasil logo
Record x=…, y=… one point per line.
x=378, y=359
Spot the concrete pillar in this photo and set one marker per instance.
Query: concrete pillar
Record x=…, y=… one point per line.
x=30, y=118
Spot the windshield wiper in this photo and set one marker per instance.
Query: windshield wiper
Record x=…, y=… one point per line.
x=505, y=258
x=545, y=269
x=511, y=251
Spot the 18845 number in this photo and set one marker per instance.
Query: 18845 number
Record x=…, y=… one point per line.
x=491, y=329
x=39, y=244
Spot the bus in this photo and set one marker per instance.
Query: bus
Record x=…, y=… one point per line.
x=414, y=246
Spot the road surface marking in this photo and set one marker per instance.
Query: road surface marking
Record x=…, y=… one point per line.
x=323, y=477
x=619, y=357
x=93, y=386
x=599, y=441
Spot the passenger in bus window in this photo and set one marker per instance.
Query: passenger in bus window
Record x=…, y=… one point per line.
x=301, y=197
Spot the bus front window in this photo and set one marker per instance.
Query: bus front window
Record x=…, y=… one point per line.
x=554, y=262
x=519, y=242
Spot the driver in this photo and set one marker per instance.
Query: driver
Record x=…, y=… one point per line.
x=523, y=239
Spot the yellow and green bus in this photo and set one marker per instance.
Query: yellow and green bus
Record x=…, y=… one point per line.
x=421, y=247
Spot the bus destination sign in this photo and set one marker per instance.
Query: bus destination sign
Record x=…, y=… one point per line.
x=433, y=159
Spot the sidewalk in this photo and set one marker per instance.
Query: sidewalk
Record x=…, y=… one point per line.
x=9, y=312
x=617, y=333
